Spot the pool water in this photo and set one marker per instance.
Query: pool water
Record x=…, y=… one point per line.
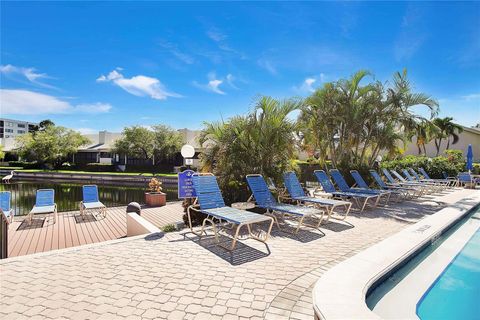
x=455, y=294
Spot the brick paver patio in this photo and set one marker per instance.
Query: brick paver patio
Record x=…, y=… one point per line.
x=178, y=277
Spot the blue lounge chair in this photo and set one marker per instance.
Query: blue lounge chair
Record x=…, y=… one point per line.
x=328, y=187
x=297, y=193
x=211, y=203
x=362, y=185
x=405, y=191
x=442, y=184
x=90, y=200
x=467, y=180
x=343, y=186
x=450, y=182
x=5, y=205
x=44, y=204
x=404, y=181
x=433, y=187
x=264, y=199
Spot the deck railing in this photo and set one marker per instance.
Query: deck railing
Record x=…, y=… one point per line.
x=68, y=194
x=3, y=236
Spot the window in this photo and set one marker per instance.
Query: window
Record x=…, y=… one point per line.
x=9, y=130
x=9, y=124
x=21, y=125
x=20, y=131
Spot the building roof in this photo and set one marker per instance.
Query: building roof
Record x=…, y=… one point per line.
x=103, y=141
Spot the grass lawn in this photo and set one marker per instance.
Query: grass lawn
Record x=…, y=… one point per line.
x=148, y=174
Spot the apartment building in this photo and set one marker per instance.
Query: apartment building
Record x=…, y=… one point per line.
x=10, y=129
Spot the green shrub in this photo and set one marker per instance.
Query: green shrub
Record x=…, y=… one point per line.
x=305, y=169
x=196, y=216
x=345, y=168
x=99, y=167
x=169, y=228
x=24, y=164
x=183, y=168
x=476, y=168
x=452, y=164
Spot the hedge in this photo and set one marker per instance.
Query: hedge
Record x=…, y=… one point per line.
x=452, y=164
x=24, y=164
x=100, y=167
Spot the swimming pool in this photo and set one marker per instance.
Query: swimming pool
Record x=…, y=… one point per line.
x=441, y=281
x=455, y=294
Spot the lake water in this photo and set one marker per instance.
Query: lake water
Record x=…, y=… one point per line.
x=68, y=195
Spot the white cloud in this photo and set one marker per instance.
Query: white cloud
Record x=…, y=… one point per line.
x=267, y=65
x=25, y=102
x=93, y=107
x=140, y=85
x=86, y=130
x=472, y=97
x=221, y=39
x=29, y=102
x=216, y=35
x=29, y=74
x=213, y=84
x=230, y=80
x=175, y=51
x=412, y=34
x=465, y=109
x=307, y=86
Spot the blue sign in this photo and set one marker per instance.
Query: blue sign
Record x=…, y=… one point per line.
x=185, y=185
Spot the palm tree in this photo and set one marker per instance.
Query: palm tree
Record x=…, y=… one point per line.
x=424, y=131
x=354, y=122
x=262, y=142
x=446, y=129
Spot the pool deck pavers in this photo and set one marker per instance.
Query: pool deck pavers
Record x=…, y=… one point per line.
x=178, y=277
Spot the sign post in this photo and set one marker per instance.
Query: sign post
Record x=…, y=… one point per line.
x=185, y=185
x=188, y=152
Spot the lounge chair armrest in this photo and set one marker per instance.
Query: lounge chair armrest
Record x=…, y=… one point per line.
x=283, y=197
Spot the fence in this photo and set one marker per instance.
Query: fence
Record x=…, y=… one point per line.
x=3, y=236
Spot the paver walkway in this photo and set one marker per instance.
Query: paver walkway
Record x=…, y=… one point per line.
x=178, y=277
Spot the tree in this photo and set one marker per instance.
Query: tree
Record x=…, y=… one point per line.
x=353, y=122
x=168, y=142
x=159, y=143
x=262, y=141
x=136, y=142
x=49, y=146
x=446, y=129
x=425, y=131
x=42, y=125
x=2, y=153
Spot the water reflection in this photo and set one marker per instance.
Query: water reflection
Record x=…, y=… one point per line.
x=68, y=195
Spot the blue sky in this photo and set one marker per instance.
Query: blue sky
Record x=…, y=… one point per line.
x=93, y=66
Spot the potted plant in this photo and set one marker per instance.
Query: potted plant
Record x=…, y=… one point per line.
x=155, y=197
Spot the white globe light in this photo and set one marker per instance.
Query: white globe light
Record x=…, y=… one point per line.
x=187, y=151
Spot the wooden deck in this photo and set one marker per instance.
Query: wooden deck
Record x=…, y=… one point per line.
x=71, y=230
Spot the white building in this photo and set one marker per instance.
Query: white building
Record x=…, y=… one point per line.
x=10, y=129
x=468, y=136
x=99, y=150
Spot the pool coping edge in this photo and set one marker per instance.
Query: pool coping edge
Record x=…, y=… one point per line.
x=341, y=292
